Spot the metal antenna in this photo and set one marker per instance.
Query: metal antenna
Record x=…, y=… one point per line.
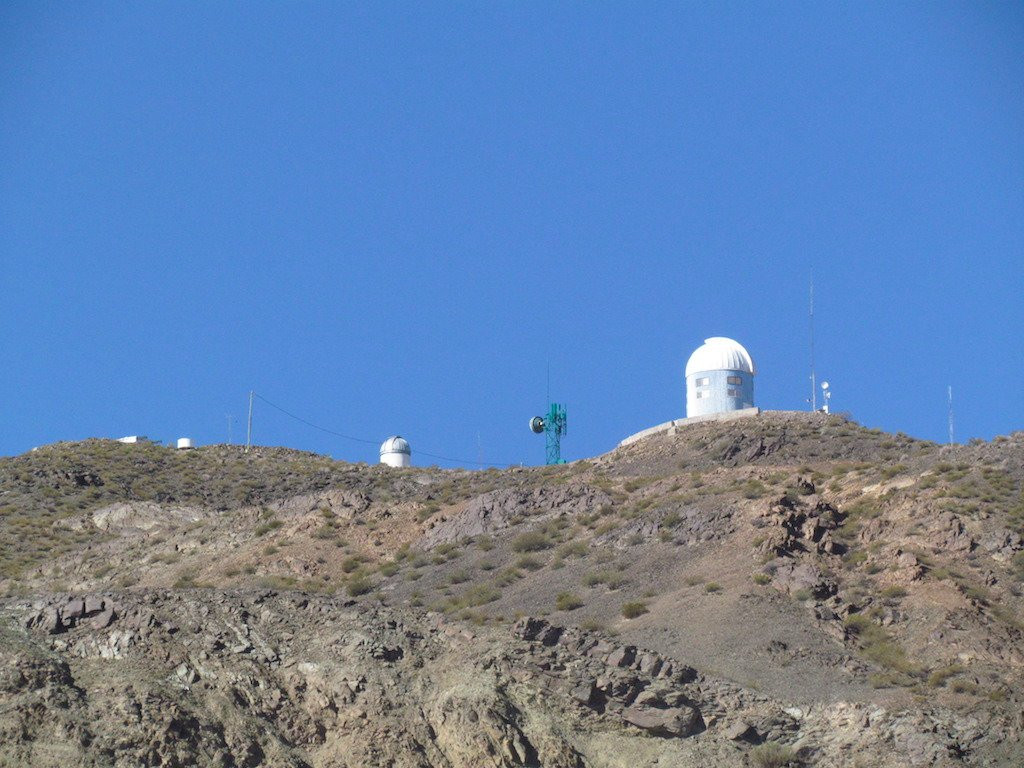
x=248, y=430
x=949, y=411
x=814, y=389
x=230, y=419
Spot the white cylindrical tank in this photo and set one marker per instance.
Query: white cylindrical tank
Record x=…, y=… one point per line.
x=185, y=442
x=395, y=452
x=719, y=378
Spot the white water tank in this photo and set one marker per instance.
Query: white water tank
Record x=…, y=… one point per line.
x=395, y=452
x=185, y=442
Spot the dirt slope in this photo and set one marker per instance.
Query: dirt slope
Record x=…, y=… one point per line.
x=818, y=592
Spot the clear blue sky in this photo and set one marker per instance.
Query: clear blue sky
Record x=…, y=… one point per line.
x=390, y=217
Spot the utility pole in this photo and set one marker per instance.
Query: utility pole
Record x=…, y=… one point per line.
x=814, y=388
x=248, y=431
x=949, y=411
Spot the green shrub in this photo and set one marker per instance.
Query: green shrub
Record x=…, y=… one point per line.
x=772, y=755
x=939, y=676
x=754, y=489
x=567, y=601
x=894, y=592
x=485, y=543
x=573, y=549
x=761, y=578
x=533, y=541
x=633, y=609
x=267, y=527
x=712, y=586
x=358, y=586
x=803, y=595
x=529, y=563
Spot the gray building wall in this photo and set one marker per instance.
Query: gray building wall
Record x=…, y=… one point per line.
x=718, y=391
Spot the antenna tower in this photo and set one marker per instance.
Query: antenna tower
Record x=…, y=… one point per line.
x=814, y=389
x=554, y=426
x=949, y=411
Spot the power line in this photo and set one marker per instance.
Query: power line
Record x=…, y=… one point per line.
x=371, y=442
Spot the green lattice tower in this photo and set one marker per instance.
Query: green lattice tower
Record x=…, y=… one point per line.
x=555, y=425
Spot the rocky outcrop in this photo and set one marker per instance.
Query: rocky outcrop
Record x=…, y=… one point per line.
x=498, y=510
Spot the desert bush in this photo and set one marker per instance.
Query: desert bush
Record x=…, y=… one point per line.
x=529, y=563
x=938, y=677
x=712, y=586
x=479, y=594
x=567, y=601
x=633, y=609
x=754, y=489
x=772, y=755
x=533, y=541
x=761, y=578
x=573, y=549
x=358, y=586
x=894, y=592
x=485, y=543
x=265, y=528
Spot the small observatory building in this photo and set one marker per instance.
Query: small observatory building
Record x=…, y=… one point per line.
x=719, y=378
x=395, y=452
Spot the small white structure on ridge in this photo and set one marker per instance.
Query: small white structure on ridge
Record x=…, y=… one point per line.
x=395, y=452
x=719, y=378
x=185, y=442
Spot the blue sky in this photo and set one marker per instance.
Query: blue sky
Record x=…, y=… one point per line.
x=394, y=217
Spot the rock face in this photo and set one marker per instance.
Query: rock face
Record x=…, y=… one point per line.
x=497, y=510
x=277, y=679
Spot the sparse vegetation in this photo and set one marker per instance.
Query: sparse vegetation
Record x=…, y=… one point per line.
x=567, y=601
x=633, y=609
x=772, y=755
x=533, y=541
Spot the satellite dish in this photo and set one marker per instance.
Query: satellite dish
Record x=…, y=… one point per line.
x=824, y=385
x=537, y=424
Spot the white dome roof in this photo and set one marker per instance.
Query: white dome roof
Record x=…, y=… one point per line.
x=396, y=444
x=720, y=354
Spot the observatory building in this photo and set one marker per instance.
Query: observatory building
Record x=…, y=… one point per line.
x=719, y=378
x=395, y=452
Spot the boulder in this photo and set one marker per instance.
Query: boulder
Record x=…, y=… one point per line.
x=672, y=722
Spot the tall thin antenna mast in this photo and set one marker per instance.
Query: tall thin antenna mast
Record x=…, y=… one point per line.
x=814, y=388
x=949, y=408
x=230, y=419
x=248, y=429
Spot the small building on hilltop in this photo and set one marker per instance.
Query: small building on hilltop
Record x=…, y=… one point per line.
x=719, y=378
x=395, y=452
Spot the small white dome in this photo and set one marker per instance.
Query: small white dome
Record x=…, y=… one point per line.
x=720, y=354
x=395, y=444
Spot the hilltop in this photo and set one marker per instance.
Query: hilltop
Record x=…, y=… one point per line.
x=788, y=587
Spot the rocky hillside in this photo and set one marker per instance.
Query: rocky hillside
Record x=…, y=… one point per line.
x=787, y=589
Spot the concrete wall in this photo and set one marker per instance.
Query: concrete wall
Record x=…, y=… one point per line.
x=713, y=393
x=673, y=427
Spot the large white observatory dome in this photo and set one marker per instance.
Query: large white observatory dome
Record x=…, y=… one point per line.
x=720, y=354
x=395, y=452
x=719, y=378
